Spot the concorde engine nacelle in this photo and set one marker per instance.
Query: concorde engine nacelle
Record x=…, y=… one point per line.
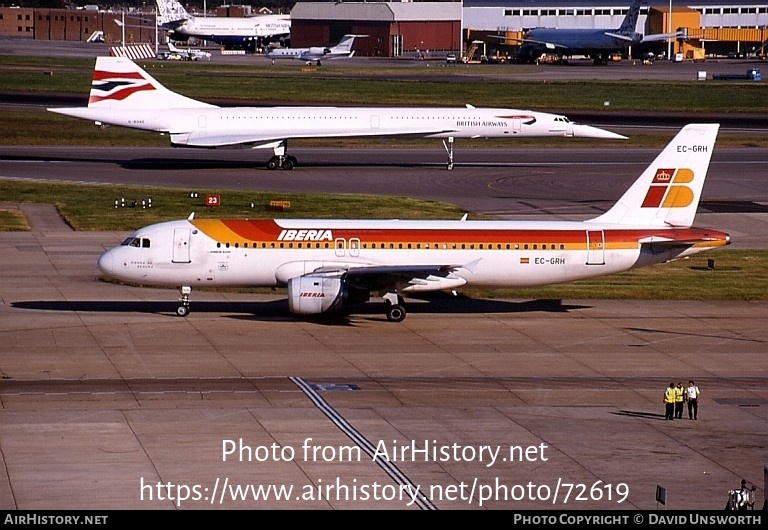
x=311, y=295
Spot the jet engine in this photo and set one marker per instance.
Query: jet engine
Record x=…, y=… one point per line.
x=314, y=294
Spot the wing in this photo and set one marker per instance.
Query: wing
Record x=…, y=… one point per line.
x=656, y=37
x=407, y=278
x=524, y=40
x=260, y=139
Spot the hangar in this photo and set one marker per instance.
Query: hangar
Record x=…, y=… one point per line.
x=405, y=29
x=402, y=28
x=393, y=28
x=737, y=27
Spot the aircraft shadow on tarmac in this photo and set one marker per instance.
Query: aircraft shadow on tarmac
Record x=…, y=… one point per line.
x=162, y=164
x=640, y=414
x=277, y=310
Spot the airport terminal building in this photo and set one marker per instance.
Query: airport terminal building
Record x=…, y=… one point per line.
x=468, y=27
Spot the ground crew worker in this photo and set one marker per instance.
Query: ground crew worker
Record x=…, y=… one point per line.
x=692, y=397
x=670, y=397
x=679, y=400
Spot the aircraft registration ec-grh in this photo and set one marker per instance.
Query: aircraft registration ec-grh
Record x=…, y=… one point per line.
x=123, y=94
x=330, y=265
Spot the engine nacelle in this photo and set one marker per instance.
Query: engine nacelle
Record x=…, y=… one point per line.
x=311, y=295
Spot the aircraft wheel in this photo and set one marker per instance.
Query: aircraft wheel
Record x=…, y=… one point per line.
x=395, y=312
x=182, y=310
x=273, y=163
x=289, y=163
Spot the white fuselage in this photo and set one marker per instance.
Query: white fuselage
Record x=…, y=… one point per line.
x=481, y=253
x=217, y=126
x=233, y=27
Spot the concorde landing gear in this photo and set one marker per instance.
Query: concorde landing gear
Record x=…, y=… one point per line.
x=183, y=309
x=394, y=307
x=449, y=149
x=280, y=160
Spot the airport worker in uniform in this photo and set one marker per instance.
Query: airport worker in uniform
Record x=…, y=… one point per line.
x=679, y=400
x=692, y=397
x=670, y=396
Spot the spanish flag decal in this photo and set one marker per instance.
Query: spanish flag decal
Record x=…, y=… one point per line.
x=524, y=260
x=667, y=189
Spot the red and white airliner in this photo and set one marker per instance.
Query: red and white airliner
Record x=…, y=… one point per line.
x=331, y=264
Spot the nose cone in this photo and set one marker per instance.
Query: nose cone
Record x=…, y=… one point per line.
x=105, y=263
x=587, y=131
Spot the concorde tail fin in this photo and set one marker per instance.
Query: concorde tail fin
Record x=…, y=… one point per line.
x=120, y=83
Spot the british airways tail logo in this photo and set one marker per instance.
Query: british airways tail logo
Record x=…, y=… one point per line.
x=116, y=86
x=668, y=189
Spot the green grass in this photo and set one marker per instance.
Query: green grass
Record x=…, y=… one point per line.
x=387, y=86
x=13, y=221
x=93, y=207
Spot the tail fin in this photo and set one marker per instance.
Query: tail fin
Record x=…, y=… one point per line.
x=118, y=82
x=668, y=191
x=345, y=44
x=629, y=23
x=170, y=11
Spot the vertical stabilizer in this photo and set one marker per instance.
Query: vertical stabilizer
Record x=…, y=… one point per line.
x=170, y=12
x=120, y=83
x=345, y=44
x=629, y=23
x=668, y=191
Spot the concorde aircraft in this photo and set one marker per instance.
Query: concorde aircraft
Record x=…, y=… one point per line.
x=329, y=265
x=123, y=94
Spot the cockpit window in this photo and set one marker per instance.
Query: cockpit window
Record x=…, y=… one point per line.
x=138, y=242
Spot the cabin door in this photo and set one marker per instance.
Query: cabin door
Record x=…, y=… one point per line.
x=595, y=247
x=181, y=252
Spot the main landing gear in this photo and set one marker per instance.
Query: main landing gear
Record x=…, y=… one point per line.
x=281, y=160
x=394, y=307
x=449, y=149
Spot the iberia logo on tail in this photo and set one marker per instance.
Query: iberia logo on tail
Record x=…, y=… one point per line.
x=116, y=86
x=667, y=189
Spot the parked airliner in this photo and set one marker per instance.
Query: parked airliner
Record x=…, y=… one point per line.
x=246, y=33
x=328, y=265
x=598, y=44
x=123, y=94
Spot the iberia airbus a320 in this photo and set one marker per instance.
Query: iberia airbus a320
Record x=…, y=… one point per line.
x=328, y=265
